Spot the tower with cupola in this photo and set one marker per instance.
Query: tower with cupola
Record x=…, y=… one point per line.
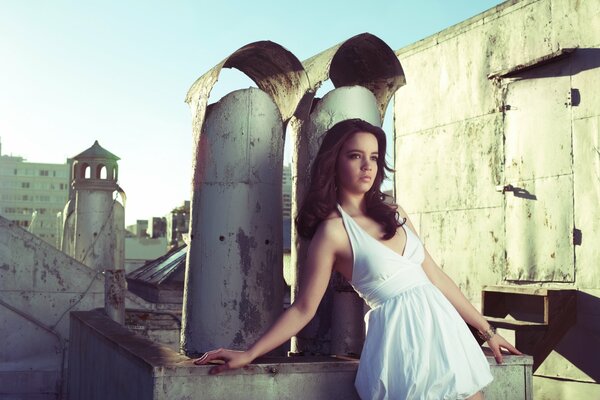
x=94, y=227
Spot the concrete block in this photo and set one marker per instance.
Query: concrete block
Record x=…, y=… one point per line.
x=512, y=378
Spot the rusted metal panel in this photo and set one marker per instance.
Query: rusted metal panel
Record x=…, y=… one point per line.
x=448, y=236
x=539, y=170
x=539, y=231
x=584, y=82
x=573, y=24
x=446, y=80
x=538, y=126
x=586, y=155
x=462, y=166
x=513, y=41
x=234, y=281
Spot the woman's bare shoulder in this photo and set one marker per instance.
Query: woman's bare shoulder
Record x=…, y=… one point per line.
x=331, y=227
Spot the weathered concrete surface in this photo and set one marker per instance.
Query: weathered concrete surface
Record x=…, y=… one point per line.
x=115, y=287
x=235, y=257
x=117, y=364
x=502, y=98
x=160, y=326
x=253, y=197
x=586, y=187
x=39, y=285
x=99, y=229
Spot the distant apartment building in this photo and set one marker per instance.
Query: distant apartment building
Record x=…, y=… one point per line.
x=33, y=194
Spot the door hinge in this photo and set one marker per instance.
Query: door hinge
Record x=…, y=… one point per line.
x=573, y=98
x=577, y=237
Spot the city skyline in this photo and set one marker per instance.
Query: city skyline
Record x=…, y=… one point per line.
x=118, y=73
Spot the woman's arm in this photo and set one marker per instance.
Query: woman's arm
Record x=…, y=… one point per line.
x=315, y=278
x=464, y=307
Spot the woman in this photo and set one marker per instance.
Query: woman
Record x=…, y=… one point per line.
x=417, y=345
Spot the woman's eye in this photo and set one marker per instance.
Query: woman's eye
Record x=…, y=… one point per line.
x=374, y=158
x=354, y=156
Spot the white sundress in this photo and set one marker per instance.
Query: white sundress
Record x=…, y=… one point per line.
x=417, y=346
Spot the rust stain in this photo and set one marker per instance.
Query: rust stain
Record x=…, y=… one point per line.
x=245, y=244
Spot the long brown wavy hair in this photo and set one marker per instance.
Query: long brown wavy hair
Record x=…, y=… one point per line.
x=321, y=198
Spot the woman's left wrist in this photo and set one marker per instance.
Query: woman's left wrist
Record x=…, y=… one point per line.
x=487, y=333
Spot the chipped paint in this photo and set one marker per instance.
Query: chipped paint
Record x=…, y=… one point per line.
x=114, y=294
x=236, y=228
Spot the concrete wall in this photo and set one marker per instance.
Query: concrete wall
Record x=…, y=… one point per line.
x=39, y=285
x=452, y=141
x=110, y=362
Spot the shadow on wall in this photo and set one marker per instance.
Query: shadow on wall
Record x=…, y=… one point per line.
x=567, y=63
x=583, y=339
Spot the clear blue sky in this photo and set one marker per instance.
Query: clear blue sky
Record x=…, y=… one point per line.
x=75, y=71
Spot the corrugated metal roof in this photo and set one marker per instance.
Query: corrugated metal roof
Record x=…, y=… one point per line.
x=161, y=269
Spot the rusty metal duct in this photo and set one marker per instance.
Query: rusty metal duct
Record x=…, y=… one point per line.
x=274, y=70
x=363, y=60
x=234, y=278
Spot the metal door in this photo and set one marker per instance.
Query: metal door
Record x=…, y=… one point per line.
x=538, y=183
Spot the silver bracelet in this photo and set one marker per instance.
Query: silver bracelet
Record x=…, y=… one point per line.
x=487, y=334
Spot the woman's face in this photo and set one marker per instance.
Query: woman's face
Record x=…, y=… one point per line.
x=356, y=165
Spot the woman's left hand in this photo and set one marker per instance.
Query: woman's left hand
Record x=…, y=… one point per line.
x=232, y=359
x=496, y=343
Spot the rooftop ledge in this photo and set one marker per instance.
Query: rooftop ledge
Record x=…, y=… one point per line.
x=106, y=360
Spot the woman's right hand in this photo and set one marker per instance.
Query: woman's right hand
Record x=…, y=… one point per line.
x=233, y=359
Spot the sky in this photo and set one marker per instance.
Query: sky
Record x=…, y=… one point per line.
x=72, y=72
